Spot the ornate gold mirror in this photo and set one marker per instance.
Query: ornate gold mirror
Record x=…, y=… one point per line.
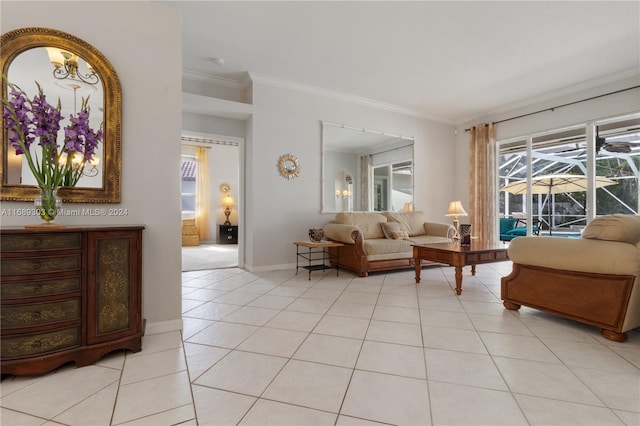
x=288, y=166
x=28, y=56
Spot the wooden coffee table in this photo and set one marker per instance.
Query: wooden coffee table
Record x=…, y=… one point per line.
x=458, y=256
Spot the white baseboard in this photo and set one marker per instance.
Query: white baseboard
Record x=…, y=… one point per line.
x=163, y=326
x=269, y=268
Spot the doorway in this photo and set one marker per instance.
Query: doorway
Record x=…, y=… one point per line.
x=210, y=197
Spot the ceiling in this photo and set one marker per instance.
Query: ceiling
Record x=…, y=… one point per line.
x=451, y=61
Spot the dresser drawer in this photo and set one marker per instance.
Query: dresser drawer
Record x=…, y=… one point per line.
x=37, y=242
x=37, y=288
x=36, y=314
x=228, y=234
x=40, y=265
x=26, y=345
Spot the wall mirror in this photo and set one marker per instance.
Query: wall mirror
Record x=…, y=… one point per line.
x=365, y=170
x=28, y=55
x=288, y=166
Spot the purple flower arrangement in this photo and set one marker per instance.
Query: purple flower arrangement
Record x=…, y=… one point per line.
x=35, y=121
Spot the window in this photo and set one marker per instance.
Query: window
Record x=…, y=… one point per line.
x=188, y=185
x=393, y=186
x=617, y=158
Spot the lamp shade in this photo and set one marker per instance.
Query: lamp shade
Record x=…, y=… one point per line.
x=55, y=56
x=455, y=209
x=228, y=201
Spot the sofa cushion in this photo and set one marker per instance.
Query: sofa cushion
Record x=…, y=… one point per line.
x=412, y=221
x=369, y=223
x=429, y=239
x=383, y=246
x=618, y=227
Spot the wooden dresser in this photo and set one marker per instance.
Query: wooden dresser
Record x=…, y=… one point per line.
x=69, y=294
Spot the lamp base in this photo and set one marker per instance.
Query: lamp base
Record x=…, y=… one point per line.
x=227, y=212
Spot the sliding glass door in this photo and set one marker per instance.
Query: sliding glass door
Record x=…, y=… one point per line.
x=600, y=159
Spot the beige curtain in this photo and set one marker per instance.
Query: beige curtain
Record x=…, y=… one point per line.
x=482, y=181
x=202, y=193
x=365, y=182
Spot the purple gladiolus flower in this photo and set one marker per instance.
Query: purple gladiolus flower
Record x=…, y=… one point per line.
x=29, y=120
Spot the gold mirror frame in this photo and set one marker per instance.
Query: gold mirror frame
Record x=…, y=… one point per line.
x=288, y=172
x=13, y=44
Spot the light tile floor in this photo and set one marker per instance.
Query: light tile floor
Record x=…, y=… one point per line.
x=278, y=349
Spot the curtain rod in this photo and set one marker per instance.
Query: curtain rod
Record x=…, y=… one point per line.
x=392, y=149
x=560, y=106
x=207, y=141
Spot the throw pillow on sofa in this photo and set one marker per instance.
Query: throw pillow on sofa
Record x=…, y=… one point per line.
x=394, y=231
x=617, y=227
x=400, y=235
x=412, y=221
x=389, y=227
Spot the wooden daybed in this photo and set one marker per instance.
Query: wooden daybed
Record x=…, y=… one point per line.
x=593, y=279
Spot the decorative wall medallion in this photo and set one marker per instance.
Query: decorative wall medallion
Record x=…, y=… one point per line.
x=288, y=166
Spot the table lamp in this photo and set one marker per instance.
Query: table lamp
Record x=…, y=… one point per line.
x=455, y=210
x=227, y=202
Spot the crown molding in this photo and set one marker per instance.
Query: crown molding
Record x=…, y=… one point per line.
x=214, y=79
x=622, y=79
x=341, y=96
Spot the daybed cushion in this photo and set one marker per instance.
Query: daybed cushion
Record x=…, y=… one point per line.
x=412, y=221
x=623, y=228
x=369, y=223
x=576, y=254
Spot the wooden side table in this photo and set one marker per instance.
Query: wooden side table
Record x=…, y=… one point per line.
x=317, y=255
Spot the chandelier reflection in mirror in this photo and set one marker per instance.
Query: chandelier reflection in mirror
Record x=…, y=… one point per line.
x=66, y=65
x=79, y=167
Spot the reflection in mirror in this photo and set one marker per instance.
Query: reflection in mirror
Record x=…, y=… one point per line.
x=70, y=88
x=365, y=170
x=50, y=57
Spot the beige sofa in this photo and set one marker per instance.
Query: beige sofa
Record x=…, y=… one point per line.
x=594, y=279
x=382, y=241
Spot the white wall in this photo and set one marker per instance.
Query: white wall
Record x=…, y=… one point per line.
x=281, y=211
x=581, y=112
x=151, y=96
x=203, y=123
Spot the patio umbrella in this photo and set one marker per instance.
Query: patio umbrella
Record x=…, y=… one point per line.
x=555, y=184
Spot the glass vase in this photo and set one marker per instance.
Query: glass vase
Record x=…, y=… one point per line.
x=48, y=203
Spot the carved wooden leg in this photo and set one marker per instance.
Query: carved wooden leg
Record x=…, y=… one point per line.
x=473, y=270
x=458, y=280
x=511, y=306
x=614, y=335
x=418, y=269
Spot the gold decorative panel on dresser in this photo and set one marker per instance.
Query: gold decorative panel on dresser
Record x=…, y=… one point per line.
x=69, y=294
